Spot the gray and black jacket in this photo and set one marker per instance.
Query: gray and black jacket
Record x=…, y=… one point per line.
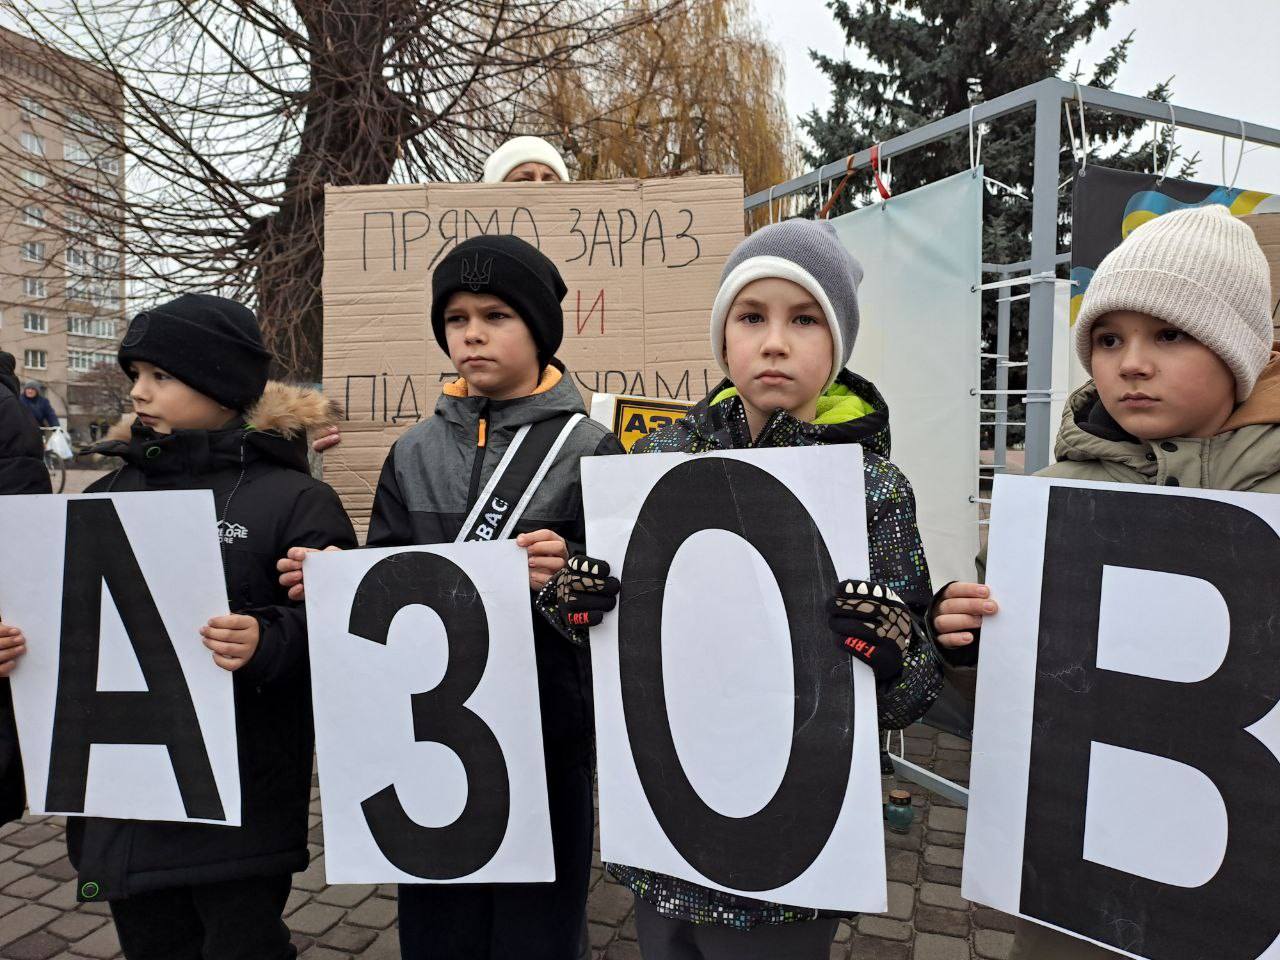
x=430, y=481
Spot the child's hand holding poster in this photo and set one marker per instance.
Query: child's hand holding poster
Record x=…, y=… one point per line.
x=737, y=741
x=121, y=710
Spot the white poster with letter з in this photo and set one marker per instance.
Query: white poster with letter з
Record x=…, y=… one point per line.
x=918, y=343
x=121, y=710
x=428, y=732
x=1125, y=785
x=737, y=742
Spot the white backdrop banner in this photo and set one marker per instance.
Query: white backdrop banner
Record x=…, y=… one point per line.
x=918, y=342
x=121, y=710
x=428, y=732
x=737, y=742
x=1125, y=786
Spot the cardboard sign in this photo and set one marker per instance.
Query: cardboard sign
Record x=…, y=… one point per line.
x=641, y=260
x=1266, y=227
x=737, y=743
x=121, y=710
x=631, y=418
x=1125, y=785
x=428, y=733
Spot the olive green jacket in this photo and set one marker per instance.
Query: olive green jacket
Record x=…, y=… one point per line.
x=1243, y=456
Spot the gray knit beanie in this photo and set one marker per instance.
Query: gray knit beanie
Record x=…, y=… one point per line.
x=1200, y=270
x=808, y=253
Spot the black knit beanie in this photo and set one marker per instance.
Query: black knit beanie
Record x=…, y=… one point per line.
x=512, y=270
x=211, y=344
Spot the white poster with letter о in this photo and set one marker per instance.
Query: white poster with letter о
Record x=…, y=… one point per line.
x=737, y=742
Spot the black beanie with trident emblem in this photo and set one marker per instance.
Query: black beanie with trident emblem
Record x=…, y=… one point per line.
x=515, y=272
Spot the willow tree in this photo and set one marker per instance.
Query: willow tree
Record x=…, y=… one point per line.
x=231, y=117
x=696, y=89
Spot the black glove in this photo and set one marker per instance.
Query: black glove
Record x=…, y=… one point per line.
x=872, y=623
x=584, y=591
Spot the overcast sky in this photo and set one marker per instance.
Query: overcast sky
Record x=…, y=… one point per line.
x=1224, y=57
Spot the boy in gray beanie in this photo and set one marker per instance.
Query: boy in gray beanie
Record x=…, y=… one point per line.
x=782, y=327
x=1175, y=329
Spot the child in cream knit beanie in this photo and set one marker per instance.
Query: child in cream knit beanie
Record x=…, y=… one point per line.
x=1200, y=270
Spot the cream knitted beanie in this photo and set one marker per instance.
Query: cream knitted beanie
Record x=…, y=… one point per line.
x=1200, y=270
x=522, y=150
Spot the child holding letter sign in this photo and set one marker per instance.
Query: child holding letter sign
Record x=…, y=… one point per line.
x=783, y=327
x=208, y=419
x=495, y=309
x=1175, y=330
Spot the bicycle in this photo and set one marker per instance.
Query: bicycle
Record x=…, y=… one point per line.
x=54, y=462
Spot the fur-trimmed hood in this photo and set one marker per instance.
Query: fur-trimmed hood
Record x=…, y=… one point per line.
x=283, y=408
x=275, y=429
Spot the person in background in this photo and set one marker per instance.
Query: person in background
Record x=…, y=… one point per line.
x=38, y=405
x=21, y=471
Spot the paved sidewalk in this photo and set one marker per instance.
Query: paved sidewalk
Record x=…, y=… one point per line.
x=927, y=919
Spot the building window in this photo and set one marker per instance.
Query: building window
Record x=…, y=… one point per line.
x=33, y=322
x=33, y=216
x=77, y=261
x=74, y=151
x=33, y=251
x=109, y=164
x=103, y=328
x=34, y=178
x=107, y=264
x=35, y=359
x=35, y=287
x=32, y=109
x=32, y=143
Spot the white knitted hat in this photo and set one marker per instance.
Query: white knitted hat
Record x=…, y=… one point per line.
x=1200, y=270
x=523, y=150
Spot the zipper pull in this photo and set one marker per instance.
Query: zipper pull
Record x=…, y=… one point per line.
x=482, y=426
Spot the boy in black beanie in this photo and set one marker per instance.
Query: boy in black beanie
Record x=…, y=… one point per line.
x=496, y=311
x=207, y=418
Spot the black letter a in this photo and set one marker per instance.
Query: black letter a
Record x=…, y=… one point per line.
x=98, y=550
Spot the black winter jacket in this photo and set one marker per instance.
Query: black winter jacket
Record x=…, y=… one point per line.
x=431, y=479
x=266, y=502
x=21, y=471
x=22, y=467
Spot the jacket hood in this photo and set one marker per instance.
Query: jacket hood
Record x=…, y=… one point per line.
x=1263, y=404
x=555, y=395
x=275, y=428
x=851, y=410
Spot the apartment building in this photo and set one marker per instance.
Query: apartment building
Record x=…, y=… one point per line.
x=61, y=189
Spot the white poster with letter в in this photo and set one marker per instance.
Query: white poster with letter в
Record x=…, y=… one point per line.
x=1125, y=786
x=920, y=318
x=121, y=710
x=737, y=742
x=428, y=730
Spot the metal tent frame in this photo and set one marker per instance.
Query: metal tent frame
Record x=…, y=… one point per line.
x=1046, y=98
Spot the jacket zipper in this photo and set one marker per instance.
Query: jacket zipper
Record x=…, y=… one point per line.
x=477, y=465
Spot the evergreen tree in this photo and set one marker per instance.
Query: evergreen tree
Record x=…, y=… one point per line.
x=933, y=58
